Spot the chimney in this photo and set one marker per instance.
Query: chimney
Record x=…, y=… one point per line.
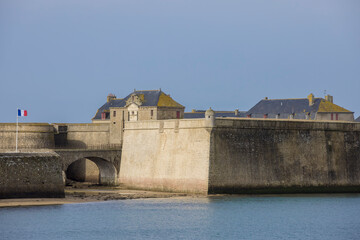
x=110, y=97
x=193, y=110
x=311, y=99
x=236, y=112
x=266, y=98
x=329, y=98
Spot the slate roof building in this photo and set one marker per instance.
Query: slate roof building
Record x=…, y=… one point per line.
x=201, y=114
x=301, y=108
x=139, y=105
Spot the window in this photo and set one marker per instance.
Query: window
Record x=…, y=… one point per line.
x=152, y=113
x=114, y=114
x=177, y=114
x=332, y=116
x=103, y=116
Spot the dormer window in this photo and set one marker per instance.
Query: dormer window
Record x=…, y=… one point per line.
x=105, y=115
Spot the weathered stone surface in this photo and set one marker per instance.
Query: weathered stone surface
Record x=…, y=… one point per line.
x=242, y=156
x=28, y=175
x=267, y=156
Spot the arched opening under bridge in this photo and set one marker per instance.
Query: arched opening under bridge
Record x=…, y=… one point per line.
x=93, y=170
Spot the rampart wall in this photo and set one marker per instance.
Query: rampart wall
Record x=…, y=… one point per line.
x=284, y=156
x=166, y=155
x=242, y=156
x=31, y=175
x=30, y=135
x=82, y=135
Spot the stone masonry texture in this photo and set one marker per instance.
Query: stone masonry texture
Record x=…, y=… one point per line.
x=30, y=175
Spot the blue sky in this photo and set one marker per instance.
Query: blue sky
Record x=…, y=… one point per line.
x=60, y=59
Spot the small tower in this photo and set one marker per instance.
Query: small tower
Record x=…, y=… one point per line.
x=210, y=118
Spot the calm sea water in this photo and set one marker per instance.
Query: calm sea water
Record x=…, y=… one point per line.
x=262, y=217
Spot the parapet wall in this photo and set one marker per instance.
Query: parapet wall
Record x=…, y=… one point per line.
x=30, y=175
x=278, y=156
x=166, y=155
x=82, y=135
x=49, y=136
x=30, y=135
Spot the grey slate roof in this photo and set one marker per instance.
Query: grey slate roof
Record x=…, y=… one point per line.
x=285, y=107
x=201, y=114
x=358, y=119
x=151, y=98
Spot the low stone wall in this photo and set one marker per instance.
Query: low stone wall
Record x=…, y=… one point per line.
x=30, y=136
x=280, y=156
x=31, y=175
x=82, y=135
x=166, y=155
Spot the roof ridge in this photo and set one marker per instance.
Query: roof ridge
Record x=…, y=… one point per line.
x=289, y=99
x=158, y=90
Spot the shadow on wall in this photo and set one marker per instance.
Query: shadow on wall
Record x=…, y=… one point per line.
x=83, y=170
x=94, y=170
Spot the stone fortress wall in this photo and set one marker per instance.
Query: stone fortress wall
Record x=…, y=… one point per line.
x=211, y=155
x=37, y=170
x=250, y=156
x=166, y=155
x=30, y=136
x=31, y=175
x=242, y=156
x=49, y=136
x=82, y=135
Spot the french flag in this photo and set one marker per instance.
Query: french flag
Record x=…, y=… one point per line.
x=22, y=113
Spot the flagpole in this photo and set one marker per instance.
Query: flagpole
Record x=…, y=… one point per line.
x=17, y=126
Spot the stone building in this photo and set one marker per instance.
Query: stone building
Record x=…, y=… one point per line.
x=138, y=105
x=302, y=108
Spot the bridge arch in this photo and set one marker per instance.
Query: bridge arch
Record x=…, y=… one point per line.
x=107, y=174
x=108, y=163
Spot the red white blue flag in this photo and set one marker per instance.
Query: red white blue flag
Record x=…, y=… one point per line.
x=22, y=113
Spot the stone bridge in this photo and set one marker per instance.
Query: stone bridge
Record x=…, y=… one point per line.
x=107, y=160
x=72, y=142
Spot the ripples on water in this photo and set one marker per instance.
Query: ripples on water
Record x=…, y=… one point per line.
x=265, y=217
